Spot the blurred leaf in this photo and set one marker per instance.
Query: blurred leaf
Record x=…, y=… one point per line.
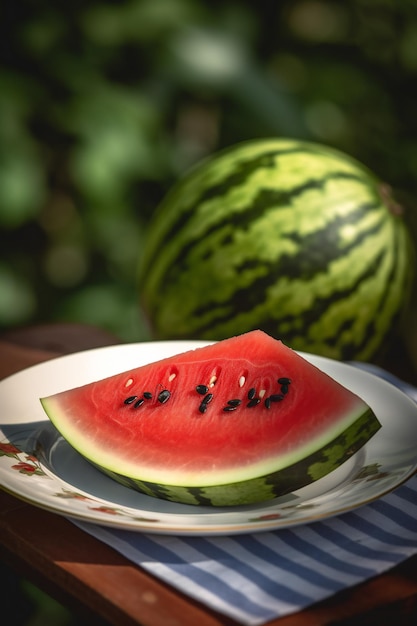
x=136, y=21
x=65, y=265
x=408, y=47
x=43, y=33
x=21, y=186
x=109, y=307
x=118, y=238
x=317, y=21
x=17, y=302
x=115, y=129
x=22, y=183
x=207, y=57
x=327, y=121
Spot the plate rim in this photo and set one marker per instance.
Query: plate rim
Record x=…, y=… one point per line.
x=176, y=347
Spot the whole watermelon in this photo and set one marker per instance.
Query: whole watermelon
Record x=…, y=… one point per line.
x=287, y=236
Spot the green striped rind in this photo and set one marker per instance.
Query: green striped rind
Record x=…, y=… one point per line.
x=282, y=235
x=284, y=481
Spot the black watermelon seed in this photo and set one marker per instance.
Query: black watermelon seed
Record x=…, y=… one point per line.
x=253, y=402
x=284, y=380
x=276, y=397
x=208, y=398
x=163, y=396
x=138, y=403
x=284, y=389
x=202, y=389
x=147, y=395
x=251, y=393
x=268, y=403
x=229, y=407
x=234, y=402
x=130, y=399
x=203, y=407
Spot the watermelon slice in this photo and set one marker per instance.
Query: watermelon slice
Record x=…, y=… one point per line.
x=239, y=421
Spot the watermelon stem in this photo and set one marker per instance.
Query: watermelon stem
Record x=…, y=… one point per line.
x=394, y=207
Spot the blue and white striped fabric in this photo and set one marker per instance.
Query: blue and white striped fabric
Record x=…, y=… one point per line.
x=254, y=578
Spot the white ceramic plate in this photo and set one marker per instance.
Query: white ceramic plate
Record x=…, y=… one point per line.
x=38, y=466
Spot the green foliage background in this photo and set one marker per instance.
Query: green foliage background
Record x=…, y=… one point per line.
x=104, y=104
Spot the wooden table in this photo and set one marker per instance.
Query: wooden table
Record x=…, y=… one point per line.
x=93, y=579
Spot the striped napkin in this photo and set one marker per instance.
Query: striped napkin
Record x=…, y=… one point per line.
x=254, y=578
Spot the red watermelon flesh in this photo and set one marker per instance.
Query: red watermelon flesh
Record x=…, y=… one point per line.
x=226, y=413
